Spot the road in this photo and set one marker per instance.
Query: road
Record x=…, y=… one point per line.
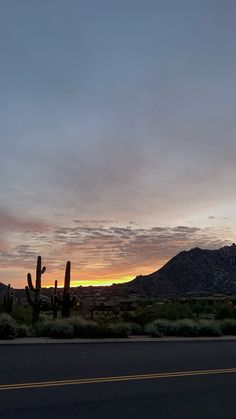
x=179, y=380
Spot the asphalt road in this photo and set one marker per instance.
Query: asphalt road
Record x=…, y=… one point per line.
x=207, y=391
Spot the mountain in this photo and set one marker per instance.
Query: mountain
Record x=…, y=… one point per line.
x=196, y=271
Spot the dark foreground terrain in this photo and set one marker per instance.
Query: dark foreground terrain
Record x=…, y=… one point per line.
x=209, y=393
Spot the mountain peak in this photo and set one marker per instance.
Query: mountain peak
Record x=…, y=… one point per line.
x=195, y=271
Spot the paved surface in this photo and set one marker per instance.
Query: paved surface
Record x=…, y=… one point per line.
x=131, y=339
x=207, y=390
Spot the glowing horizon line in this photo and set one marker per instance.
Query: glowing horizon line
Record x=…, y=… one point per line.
x=94, y=283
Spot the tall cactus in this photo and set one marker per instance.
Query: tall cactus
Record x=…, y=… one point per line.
x=54, y=303
x=8, y=300
x=66, y=302
x=33, y=293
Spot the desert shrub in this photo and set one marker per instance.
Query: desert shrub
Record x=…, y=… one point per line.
x=151, y=330
x=8, y=327
x=136, y=329
x=62, y=329
x=186, y=328
x=23, y=331
x=43, y=328
x=228, y=327
x=225, y=311
x=209, y=328
x=118, y=330
x=159, y=328
x=22, y=314
x=168, y=311
x=87, y=328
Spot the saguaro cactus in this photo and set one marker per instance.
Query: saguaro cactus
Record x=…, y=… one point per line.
x=54, y=303
x=66, y=302
x=8, y=300
x=33, y=293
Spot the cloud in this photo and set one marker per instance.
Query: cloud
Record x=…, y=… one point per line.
x=12, y=223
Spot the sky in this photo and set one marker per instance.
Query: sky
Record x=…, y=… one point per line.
x=117, y=135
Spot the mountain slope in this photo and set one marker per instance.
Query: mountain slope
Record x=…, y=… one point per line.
x=195, y=271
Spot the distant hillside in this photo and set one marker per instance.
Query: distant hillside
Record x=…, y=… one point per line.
x=196, y=271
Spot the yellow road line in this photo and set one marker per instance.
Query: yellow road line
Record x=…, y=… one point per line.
x=96, y=380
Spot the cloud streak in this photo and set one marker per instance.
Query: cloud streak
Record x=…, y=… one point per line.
x=13, y=223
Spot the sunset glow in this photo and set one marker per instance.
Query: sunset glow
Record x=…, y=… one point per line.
x=117, y=136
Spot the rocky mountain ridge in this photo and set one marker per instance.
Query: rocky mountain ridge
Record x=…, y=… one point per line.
x=197, y=271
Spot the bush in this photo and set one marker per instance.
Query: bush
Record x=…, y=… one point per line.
x=22, y=314
x=228, y=327
x=136, y=329
x=119, y=330
x=86, y=328
x=23, y=331
x=152, y=330
x=225, y=311
x=90, y=329
x=62, y=329
x=79, y=327
x=160, y=328
x=168, y=311
x=8, y=327
x=209, y=328
x=43, y=329
x=186, y=328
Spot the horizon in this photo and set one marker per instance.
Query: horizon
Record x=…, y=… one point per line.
x=86, y=283
x=118, y=135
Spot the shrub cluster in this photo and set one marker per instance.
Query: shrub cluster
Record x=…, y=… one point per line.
x=159, y=328
x=185, y=328
x=169, y=311
x=207, y=308
x=77, y=327
x=9, y=328
x=228, y=326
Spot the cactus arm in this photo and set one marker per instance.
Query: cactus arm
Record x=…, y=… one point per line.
x=30, y=283
x=43, y=270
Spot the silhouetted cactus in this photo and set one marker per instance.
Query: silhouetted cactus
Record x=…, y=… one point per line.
x=33, y=294
x=8, y=300
x=54, y=303
x=66, y=302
